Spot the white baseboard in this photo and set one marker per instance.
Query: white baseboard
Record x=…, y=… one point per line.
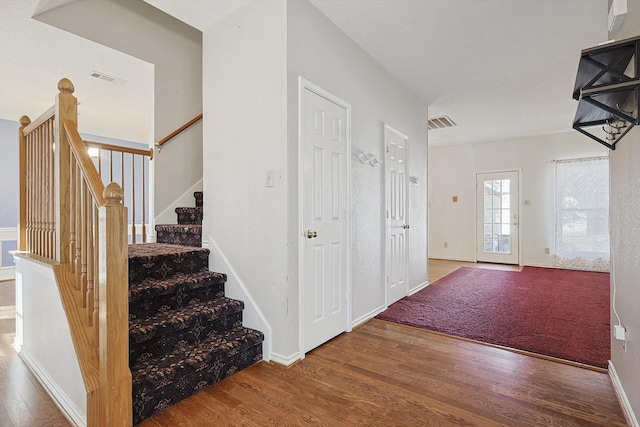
x=418, y=288
x=58, y=396
x=622, y=396
x=370, y=315
x=7, y=273
x=285, y=360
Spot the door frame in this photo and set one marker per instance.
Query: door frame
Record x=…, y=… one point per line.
x=385, y=246
x=304, y=84
x=520, y=205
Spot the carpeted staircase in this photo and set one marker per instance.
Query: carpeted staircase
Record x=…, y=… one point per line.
x=188, y=230
x=184, y=334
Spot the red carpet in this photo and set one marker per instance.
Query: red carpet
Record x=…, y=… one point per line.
x=559, y=313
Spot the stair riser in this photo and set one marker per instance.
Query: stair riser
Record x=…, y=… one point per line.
x=180, y=238
x=181, y=298
x=189, y=216
x=155, y=328
x=163, y=266
x=197, y=331
x=149, y=399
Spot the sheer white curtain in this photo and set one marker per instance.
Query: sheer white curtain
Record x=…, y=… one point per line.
x=582, y=214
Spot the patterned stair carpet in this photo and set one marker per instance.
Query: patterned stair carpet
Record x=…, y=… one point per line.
x=188, y=230
x=184, y=334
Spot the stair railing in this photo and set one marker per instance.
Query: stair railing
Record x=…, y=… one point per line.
x=178, y=131
x=71, y=221
x=134, y=191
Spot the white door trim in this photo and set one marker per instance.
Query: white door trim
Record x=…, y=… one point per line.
x=304, y=84
x=385, y=249
x=520, y=205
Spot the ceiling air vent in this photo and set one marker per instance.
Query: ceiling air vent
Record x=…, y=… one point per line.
x=107, y=78
x=441, y=122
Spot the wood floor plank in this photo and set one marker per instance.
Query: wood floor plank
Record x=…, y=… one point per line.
x=379, y=374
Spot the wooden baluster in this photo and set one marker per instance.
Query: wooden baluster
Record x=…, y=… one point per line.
x=72, y=211
x=52, y=204
x=114, y=310
x=78, y=226
x=23, y=186
x=96, y=273
x=88, y=221
x=122, y=185
x=83, y=239
x=110, y=165
x=29, y=193
x=133, y=198
x=39, y=191
x=46, y=145
x=144, y=226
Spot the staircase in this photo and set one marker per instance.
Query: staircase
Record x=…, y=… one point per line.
x=184, y=334
x=188, y=230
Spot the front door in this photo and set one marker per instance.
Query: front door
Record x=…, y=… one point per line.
x=325, y=161
x=395, y=165
x=498, y=217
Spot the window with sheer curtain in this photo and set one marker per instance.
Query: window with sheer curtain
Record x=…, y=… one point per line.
x=582, y=214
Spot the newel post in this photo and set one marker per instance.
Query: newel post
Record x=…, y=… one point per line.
x=66, y=108
x=114, y=309
x=22, y=184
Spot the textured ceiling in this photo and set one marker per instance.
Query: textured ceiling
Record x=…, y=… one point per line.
x=499, y=68
x=200, y=14
x=35, y=56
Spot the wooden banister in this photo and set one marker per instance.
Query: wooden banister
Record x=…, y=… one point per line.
x=84, y=162
x=39, y=121
x=179, y=130
x=133, y=157
x=111, y=147
x=69, y=218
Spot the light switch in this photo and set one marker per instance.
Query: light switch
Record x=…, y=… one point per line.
x=270, y=178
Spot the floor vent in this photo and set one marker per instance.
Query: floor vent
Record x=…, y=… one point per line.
x=441, y=122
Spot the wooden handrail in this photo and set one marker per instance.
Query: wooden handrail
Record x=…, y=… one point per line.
x=84, y=161
x=179, y=130
x=39, y=121
x=111, y=147
x=69, y=218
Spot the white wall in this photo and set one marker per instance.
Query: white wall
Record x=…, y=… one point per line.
x=624, y=201
x=323, y=54
x=175, y=49
x=452, y=172
x=251, y=63
x=245, y=125
x=43, y=339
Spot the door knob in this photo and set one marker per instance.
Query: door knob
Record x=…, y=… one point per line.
x=311, y=234
x=406, y=226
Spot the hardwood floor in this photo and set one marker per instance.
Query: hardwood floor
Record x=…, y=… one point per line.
x=381, y=374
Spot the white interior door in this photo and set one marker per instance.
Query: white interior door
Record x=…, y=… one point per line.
x=395, y=164
x=325, y=160
x=498, y=217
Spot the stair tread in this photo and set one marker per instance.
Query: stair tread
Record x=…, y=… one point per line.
x=189, y=209
x=164, y=368
x=166, y=322
x=151, y=250
x=151, y=286
x=194, y=228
